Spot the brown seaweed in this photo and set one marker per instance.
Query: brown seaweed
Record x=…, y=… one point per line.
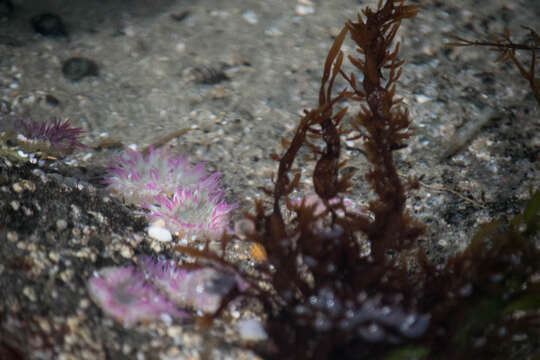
x=507, y=50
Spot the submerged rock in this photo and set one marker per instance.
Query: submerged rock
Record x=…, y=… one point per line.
x=76, y=68
x=49, y=24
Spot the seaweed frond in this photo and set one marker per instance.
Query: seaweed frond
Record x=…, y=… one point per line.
x=508, y=52
x=384, y=123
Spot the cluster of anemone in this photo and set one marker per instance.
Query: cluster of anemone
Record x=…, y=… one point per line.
x=160, y=290
x=184, y=197
x=186, y=200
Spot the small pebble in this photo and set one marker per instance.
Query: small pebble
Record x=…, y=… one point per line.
x=174, y=331
x=27, y=211
x=66, y=276
x=159, y=233
x=28, y=185
x=251, y=330
x=17, y=187
x=12, y=236
x=76, y=68
x=61, y=224
x=304, y=9
x=44, y=325
x=421, y=98
x=54, y=256
x=156, y=247
x=49, y=25
x=126, y=252
x=180, y=47
x=251, y=17
x=84, y=304
x=15, y=205
x=29, y=293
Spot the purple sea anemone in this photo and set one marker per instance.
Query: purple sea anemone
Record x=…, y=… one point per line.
x=199, y=289
x=139, y=179
x=194, y=211
x=124, y=294
x=54, y=133
x=160, y=290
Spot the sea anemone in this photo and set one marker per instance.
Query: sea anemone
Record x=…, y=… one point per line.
x=197, y=211
x=160, y=290
x=54, y=133
x=199, y=289
x=139, y=179
x=125, y=294
x=185, y=197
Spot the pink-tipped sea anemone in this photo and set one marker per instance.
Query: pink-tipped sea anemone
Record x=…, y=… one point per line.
x=124, y=294
x=189, y=212
x=187, y=199
x=161, y=290
x=196, y=289
x=140, y=178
